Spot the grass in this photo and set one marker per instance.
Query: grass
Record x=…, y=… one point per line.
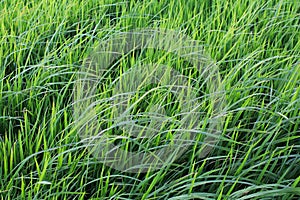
x=255, y=45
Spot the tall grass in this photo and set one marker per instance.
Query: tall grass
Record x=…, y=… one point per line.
x=256, y=46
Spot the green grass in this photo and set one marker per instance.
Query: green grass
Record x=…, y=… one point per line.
x=256, y=46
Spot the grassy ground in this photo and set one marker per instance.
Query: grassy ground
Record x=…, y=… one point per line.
x=255, y=44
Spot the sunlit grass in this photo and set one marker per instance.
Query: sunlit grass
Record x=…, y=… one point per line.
x=255, y=44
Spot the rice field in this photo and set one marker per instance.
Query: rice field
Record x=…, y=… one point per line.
x=236, y=116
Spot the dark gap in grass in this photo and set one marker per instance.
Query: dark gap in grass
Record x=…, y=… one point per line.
x=189, y=70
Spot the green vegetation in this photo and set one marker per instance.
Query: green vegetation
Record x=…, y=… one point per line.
x=255, y=44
